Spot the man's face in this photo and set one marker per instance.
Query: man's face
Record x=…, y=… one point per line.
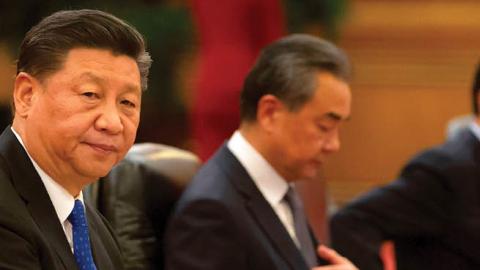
x=83, y=119
x=302, y=140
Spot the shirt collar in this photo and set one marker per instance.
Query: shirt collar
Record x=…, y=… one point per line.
x=272, y=186
x=62, y=200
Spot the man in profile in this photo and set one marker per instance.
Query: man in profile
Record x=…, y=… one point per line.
x=431, y=211
x=77, y=95
x=241, y=210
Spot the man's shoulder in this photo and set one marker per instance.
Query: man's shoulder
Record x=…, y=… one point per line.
x=211, y=182
x=458, y=151
x=10, y=198
x=8, y=193
x=456, y=156
x=214, y=182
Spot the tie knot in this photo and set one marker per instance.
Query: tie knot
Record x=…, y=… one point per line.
x=292, y=198
x=77, y=216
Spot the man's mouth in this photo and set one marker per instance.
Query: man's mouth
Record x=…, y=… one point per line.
x=104, y=148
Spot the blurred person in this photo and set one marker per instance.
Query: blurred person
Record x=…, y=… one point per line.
x=76, y=98
x=430, y=211
x=241, y=211
x=231, y=34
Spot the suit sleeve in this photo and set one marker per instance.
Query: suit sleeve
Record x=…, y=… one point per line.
x=413, y=205
x=202, y=236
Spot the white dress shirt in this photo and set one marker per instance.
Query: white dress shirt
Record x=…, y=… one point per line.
x=475, y=128
x=272, y=186
x=62, y=200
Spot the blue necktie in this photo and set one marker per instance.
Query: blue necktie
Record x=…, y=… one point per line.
x=81, y=240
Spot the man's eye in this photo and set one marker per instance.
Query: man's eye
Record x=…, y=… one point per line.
x=324, y=128
x=90, y=94
x=128, y=103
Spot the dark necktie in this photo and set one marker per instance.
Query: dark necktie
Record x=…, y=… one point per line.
x=301, y=228
x=81, y=240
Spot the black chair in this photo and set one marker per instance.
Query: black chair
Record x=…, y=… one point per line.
x=137, y=198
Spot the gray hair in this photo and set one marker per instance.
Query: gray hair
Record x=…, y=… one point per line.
x=45, y=46
x=288, y=68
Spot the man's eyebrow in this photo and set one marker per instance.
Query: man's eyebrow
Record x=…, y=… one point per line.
x=99, y=80
x=336, y=116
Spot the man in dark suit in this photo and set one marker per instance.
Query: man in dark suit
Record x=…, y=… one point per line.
x=241, y=210
x=76, y=98
x=431, y=212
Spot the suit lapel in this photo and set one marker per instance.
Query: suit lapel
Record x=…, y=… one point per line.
x=30, y=187
x=46, y=219
x=261, y=210
x=274, y=229
x=98, y=245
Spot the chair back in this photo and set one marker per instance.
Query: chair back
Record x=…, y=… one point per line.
x=138, y=196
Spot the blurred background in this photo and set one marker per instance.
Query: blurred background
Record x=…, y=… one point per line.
x=413, y=63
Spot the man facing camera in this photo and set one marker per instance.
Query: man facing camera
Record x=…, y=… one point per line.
x=77, y=95
x=241, y=210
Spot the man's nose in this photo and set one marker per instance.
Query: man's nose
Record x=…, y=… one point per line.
x=109, y=119
x=332, y=144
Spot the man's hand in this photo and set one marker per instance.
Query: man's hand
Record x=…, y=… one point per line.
x=337, y=261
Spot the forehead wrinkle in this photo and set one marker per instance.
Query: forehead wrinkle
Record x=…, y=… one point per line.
x=92, y=77
x=129, y=87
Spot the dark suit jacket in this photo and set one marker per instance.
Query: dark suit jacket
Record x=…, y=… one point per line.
x=31, y=236
x=223, y=222
x=432, y=212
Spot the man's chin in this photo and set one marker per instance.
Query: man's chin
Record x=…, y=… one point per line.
x=310, y=174
x=98, y=169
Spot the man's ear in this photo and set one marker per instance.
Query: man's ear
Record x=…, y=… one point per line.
x=269, y=109
x=24, y=92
